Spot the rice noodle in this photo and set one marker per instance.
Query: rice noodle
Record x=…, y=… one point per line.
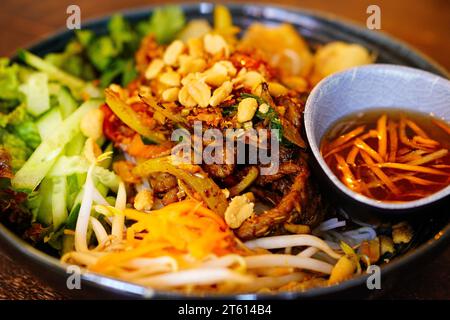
x=295, y=240
x=194, y=277
x=285, y=260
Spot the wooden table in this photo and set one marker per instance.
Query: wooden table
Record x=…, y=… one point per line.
x=423, y=24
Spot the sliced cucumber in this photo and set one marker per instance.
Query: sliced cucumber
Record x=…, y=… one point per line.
x=59, y=206
x=48, y=123
x=44, y=157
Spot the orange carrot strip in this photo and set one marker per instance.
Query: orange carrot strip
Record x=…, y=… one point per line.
x=382, y=136
x=402, y=133
x=365, y=147
x=393, y=141
x=414, y=127
x=409, y=167
x=441, y=124
x=370, y=134
x=346, y=137
x=416, y=180
x=379, y=173
x=351, y=157
x=403, y=151
x=441, y=166
x=426, y=141
x=413, y=155
x=348, y=177
x=430, y=157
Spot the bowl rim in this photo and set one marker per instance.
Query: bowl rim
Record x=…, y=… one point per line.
x=318, y=90
x=43, y=260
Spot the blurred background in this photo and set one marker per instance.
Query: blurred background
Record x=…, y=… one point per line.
x=423, y=24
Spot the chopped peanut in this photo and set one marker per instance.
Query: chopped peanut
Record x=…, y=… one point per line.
x=92, y=124
x=170, y=95
x=239, y=210
x=200, y=92
x=195, y=47
x=91, y=150
x=173, y=51
x=215, y=44
x=185, y=98
x=154, y=68
x=216, y=75
x=170, y=79
x=252, y=79
x=221, y=93
x=143, y=200
x=246, y=109
x=276, y=89
x=189, y=64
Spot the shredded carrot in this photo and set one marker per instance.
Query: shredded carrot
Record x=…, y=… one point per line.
x=370, y=134
x=442, y=125
x=430, y=157
x=402, y=134
x=416, y=180
x=346, y=137
x=369, y=161
x=382, y=136
x=351, y=157
x=379, y=173
x=408, y=167
x=425, y=141
x=349, y=179
x=393, y=141
x=185, y=227
x=413, y=155
x=414, y=127
x=365, y=147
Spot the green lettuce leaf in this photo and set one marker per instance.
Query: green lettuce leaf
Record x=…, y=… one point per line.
x=165, y=23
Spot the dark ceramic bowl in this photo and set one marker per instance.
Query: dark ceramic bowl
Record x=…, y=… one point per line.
x=432, y=233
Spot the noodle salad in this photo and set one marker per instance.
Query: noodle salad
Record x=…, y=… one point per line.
x=91, y=175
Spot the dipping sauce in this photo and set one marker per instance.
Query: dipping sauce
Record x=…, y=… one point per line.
x=389, y=154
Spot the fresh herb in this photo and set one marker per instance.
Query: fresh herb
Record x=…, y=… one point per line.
x=271, y=115
x=229, y=111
